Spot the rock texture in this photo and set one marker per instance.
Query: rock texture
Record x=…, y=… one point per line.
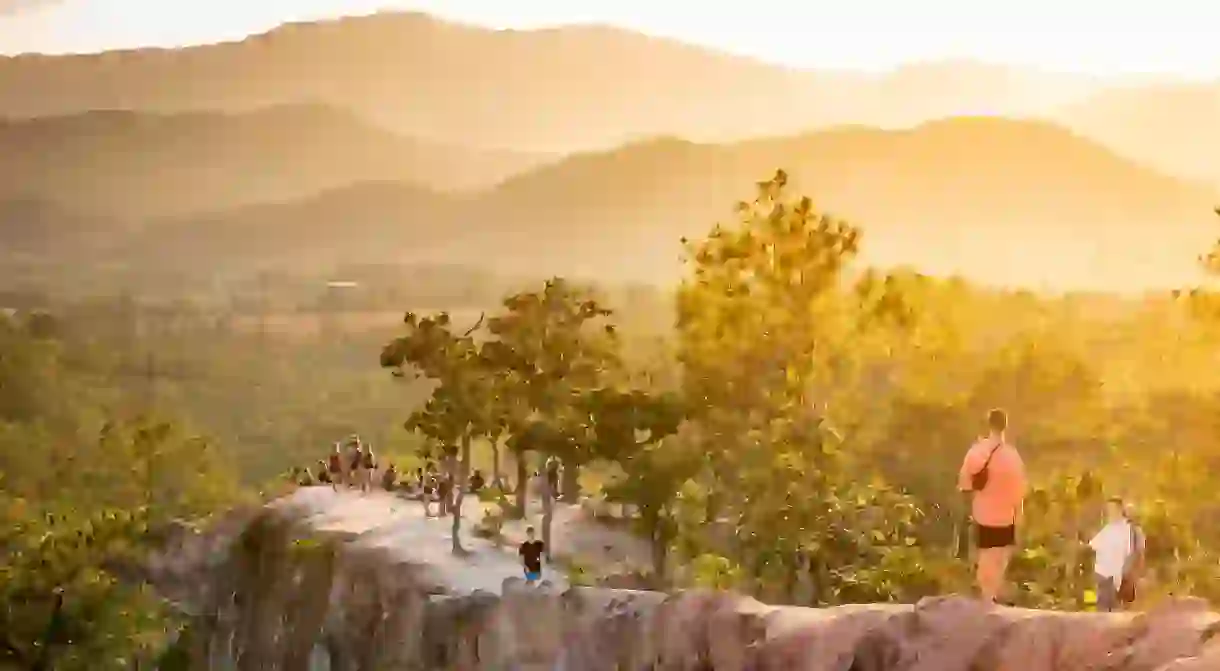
x=364, y=583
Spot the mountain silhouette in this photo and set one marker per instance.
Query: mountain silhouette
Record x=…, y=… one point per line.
x=33, y=228
x=357, y=223
x=560, y=89
x=999, y=201
x=134, y=165
x=1174, y=128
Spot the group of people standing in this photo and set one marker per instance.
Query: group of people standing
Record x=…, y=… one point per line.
x=353, y=464
x=433, y=486
x=993, y=473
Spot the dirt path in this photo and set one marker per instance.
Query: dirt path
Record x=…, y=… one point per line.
x=576, y=536
x=388, y=522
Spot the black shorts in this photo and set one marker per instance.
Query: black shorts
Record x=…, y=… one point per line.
x=995, y=537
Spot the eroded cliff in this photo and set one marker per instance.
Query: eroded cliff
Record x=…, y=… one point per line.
x=345, y=582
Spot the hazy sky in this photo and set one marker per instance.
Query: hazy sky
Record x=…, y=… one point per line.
x=1100, y=36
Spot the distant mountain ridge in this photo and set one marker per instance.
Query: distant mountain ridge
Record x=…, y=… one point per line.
x=556, y=89
x=133, y=164
x=999, y=201
x=376, y=139
x=1173, y=128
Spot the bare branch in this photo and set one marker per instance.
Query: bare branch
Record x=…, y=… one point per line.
x=476, y=326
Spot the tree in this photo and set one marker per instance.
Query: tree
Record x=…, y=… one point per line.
x=1204, y=303
x=771, y=331
x=1211, y=260
x=548, y=347
x=637, y=430
x=461, y=407
x=61, y=605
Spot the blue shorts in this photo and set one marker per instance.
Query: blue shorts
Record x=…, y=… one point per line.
x=533, y=576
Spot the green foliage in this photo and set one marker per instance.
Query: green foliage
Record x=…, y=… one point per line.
x=52, y=558
x=551, y=347
x=78, y=497
x=802, y=442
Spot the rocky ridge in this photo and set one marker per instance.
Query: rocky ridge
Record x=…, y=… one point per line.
x=340, y=581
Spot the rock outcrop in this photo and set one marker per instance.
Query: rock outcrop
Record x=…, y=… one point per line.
x=346, y=582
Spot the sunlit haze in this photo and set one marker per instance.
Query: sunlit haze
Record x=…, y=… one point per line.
x=1171, y=37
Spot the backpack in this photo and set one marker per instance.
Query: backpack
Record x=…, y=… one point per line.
x=978, y=481
x=1134, y=567
x=336, y=464
x=369, y=462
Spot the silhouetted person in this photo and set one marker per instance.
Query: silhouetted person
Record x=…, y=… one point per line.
x=335, y=467
x=995, y=475
x=444, y=494
x=368, y=464
x=552, y=478
x=389, y=479
x=324, y=477
x=531, y=552
x=429, y=490
x=477, y=482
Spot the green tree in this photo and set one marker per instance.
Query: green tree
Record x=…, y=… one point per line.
x=61, y=604
x=637, y=430
x=549, y=347
x=462, y=406
x=772, y=335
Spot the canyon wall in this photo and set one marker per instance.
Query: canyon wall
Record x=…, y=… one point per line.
x=339, y=581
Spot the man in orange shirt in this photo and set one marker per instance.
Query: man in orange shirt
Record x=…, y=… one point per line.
x=994, y=472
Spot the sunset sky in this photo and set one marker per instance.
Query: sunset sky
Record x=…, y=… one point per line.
x=1175, y=37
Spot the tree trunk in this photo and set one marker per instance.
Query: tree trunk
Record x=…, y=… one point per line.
x=659, y=543
x=497, y=475
x=570, y=487
x=459, y=493
x=521, y=484
x=548, y=515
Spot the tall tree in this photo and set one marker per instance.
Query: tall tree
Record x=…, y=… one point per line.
x=461, y=407
x=550, y=345
x=771, y=332
x=637, y=430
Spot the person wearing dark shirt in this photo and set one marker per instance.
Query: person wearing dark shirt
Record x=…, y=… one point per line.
x=389, y=478
x=477, y=482
x=531, y=557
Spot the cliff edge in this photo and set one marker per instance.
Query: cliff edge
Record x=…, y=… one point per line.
x=340, y=581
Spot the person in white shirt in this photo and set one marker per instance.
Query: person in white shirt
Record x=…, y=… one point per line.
x=1113, y=548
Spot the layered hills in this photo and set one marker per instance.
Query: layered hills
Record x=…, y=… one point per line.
x=133, y=164
x=586, y=87
x=585, y=150
x=558, y=89
x=1172, y=127
x=997, y=200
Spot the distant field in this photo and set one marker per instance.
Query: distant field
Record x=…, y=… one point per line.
x=310, y=324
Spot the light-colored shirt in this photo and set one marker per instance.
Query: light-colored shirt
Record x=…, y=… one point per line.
x=999, y=503
x=1112, y=547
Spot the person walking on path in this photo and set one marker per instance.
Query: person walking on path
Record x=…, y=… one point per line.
x=994, y=473
x=1118, y=550
x=531, y=552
